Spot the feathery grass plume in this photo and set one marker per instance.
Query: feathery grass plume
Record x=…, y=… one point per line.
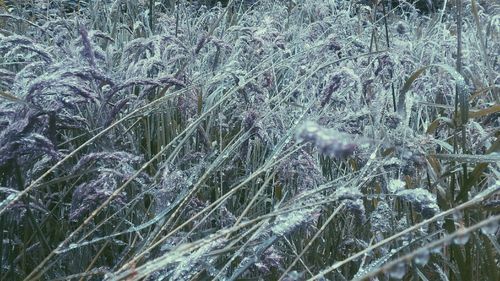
x=88, y=196
x=290, y=221
x=60, y=30
x=333, y=86
x=153, y=56
x=37, y=142
x=381, y=218
x=421, y=199
x=118, y=159
x=7, y=78
x=86, y=51
x=392, y=120
x=11, y=46
x=21, y=139
x=384, y=67
x=301, y=172
x=356, y=208
x=349, y=83
x=272, y=259
x=112, y=168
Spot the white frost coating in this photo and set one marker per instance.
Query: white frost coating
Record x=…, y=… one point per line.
x=422, y=200
x=347, y=192
x=288, y=222
x=396, y=185
x=490, y=190
x=188, y=267
x=7, y=200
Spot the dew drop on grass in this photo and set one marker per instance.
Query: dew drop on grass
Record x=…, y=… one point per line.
x=422, y=257
x=490, y=228
x=423, y=230
x=440, y=222
x=461, y=239
x=398, y=271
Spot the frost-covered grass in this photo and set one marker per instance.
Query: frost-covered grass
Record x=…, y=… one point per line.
x=265, y=140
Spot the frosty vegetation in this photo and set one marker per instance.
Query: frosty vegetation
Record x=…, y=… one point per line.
x=249, y=140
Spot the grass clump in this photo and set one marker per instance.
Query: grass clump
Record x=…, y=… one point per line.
x=249, y=140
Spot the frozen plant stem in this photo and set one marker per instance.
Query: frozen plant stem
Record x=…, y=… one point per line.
x=38, y=271
x=447, y=239
x=472, y=202
x=309, y=244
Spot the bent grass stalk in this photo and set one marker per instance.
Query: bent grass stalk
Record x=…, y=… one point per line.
x=8, y=202
x=476, y=200
x=282, y=72
x=309, y=244
x=445, y=240
x=217, y=202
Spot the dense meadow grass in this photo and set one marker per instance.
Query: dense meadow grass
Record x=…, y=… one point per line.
x=249, y=140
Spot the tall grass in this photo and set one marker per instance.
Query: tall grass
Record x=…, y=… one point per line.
x=255, y=140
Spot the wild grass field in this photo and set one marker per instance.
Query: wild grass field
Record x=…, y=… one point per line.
x=249, y=140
